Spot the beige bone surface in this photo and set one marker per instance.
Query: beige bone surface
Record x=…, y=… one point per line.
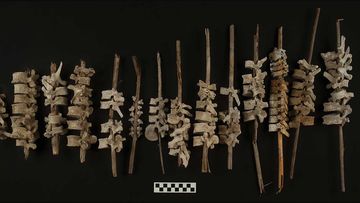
x=24, y=124
x=80, y=110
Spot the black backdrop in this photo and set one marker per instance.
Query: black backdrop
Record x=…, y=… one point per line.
x=34, y=34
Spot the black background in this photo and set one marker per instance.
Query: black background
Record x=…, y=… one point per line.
x=34, y=34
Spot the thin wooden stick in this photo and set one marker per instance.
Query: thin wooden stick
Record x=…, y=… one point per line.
x=179, y=79
x=338, y=33
x=205, y=161
x=158, y=59
x=136, y=116
x=55, y=140
x=341, y=156
x=231, y=86
x=341, y=135
x=313, y=35
x=208, y=59
x=82, y=151
x=281, y=162
x=160, y=96
x=254, y=138
x=178, y=70
x=294, y=151
x=111, y=112
x=309, y=58
x=279, y=135
x=231, y=65
x=280, y=37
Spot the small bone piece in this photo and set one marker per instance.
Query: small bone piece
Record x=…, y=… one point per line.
x=55, y=93
x=178, y=119
x=254, y=89
x=230, y=130
x=338, y=63
x=135, y=113
x=80, y=110
x=158, y=126
x=207, y=137
x=3, y=115
x=302, y=96
x=112, y=100
x=279, y=101
x=23, y=122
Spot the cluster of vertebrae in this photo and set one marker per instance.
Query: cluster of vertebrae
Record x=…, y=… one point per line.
x=302, y=96
x=112, y=99
x=158, y=126
x=228, y=133
x=80, y=110
x=337, y=66
x=3, y=115
x=135, y=113
x=254, y=89
x=179, y=125
x=278, y=93
x=55, y=92
x=230, y=129
x=23, y=121
x=206, y=117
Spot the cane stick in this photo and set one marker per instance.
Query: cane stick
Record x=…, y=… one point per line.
x=254, y=138
x=136, y=115
x=309, y=58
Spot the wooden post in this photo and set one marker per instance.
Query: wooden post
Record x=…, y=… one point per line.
x=111, y=112
x=279, y=134
x=309, y=58
x=231, y=86
x=254, y=138
x=136, y=116
x=178, y=70
x=205, y=161
x=55, y=140
x=341, y=135
x=160, y=96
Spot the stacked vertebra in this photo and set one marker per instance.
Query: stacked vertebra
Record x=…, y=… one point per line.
x=3, y=115
x=337, y=66
x=157, y=119
x=135, y=113
x=80, y=110
x=302, y=96
x=23, y=122
x=179, y=124
x=206, y=117
x=254, y=88
x=112, y=99
x=278, y=93
x=55, y=92
x=230, y=130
